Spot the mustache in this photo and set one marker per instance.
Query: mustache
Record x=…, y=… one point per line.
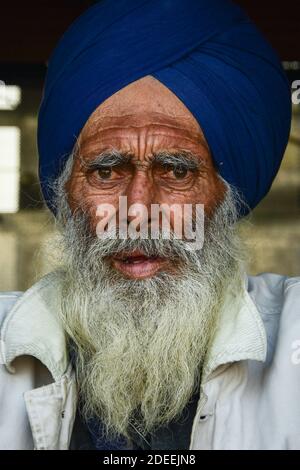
x=171, y=248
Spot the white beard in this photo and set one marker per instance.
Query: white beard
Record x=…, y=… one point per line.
x=140, y=345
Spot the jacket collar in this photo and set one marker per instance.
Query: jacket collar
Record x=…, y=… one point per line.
x=32, y=328
x=240, y=335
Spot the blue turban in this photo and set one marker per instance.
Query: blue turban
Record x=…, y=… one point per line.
x=207, y=52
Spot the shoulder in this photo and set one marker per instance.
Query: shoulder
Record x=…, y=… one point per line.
x=277, y=298
x=29, y=325
x=7, y=301
x=270, y=292
x=42, y=295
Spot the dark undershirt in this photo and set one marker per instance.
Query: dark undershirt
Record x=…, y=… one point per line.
x=174, y=436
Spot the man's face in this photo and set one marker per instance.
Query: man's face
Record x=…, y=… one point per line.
x=142, y=312
x=143, y=122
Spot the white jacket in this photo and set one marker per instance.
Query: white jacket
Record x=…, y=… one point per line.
x=250, y=391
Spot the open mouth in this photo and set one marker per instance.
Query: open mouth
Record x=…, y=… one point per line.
x=137, y=265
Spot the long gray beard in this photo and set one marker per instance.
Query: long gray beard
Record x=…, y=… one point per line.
x=140, y=345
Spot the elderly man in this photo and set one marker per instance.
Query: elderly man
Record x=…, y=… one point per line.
x=147, y=341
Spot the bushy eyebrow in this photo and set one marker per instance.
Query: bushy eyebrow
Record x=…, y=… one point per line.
x=175, y=159
x=183, y=159
x=107, y=159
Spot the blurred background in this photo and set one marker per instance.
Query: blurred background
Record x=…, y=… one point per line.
x=29, y=31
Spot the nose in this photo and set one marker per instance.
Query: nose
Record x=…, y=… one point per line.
x=140, y=195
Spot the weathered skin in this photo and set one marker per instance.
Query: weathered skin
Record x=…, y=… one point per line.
x=142, y=119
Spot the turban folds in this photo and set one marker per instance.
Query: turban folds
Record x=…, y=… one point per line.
x=207, y=52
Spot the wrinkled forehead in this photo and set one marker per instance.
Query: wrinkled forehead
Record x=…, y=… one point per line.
x=142, y=104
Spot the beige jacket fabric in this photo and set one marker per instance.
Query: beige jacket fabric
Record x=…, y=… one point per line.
x=250, y=390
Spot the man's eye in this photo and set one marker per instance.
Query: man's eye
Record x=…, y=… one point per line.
x=180, y=173
x=104, y=173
